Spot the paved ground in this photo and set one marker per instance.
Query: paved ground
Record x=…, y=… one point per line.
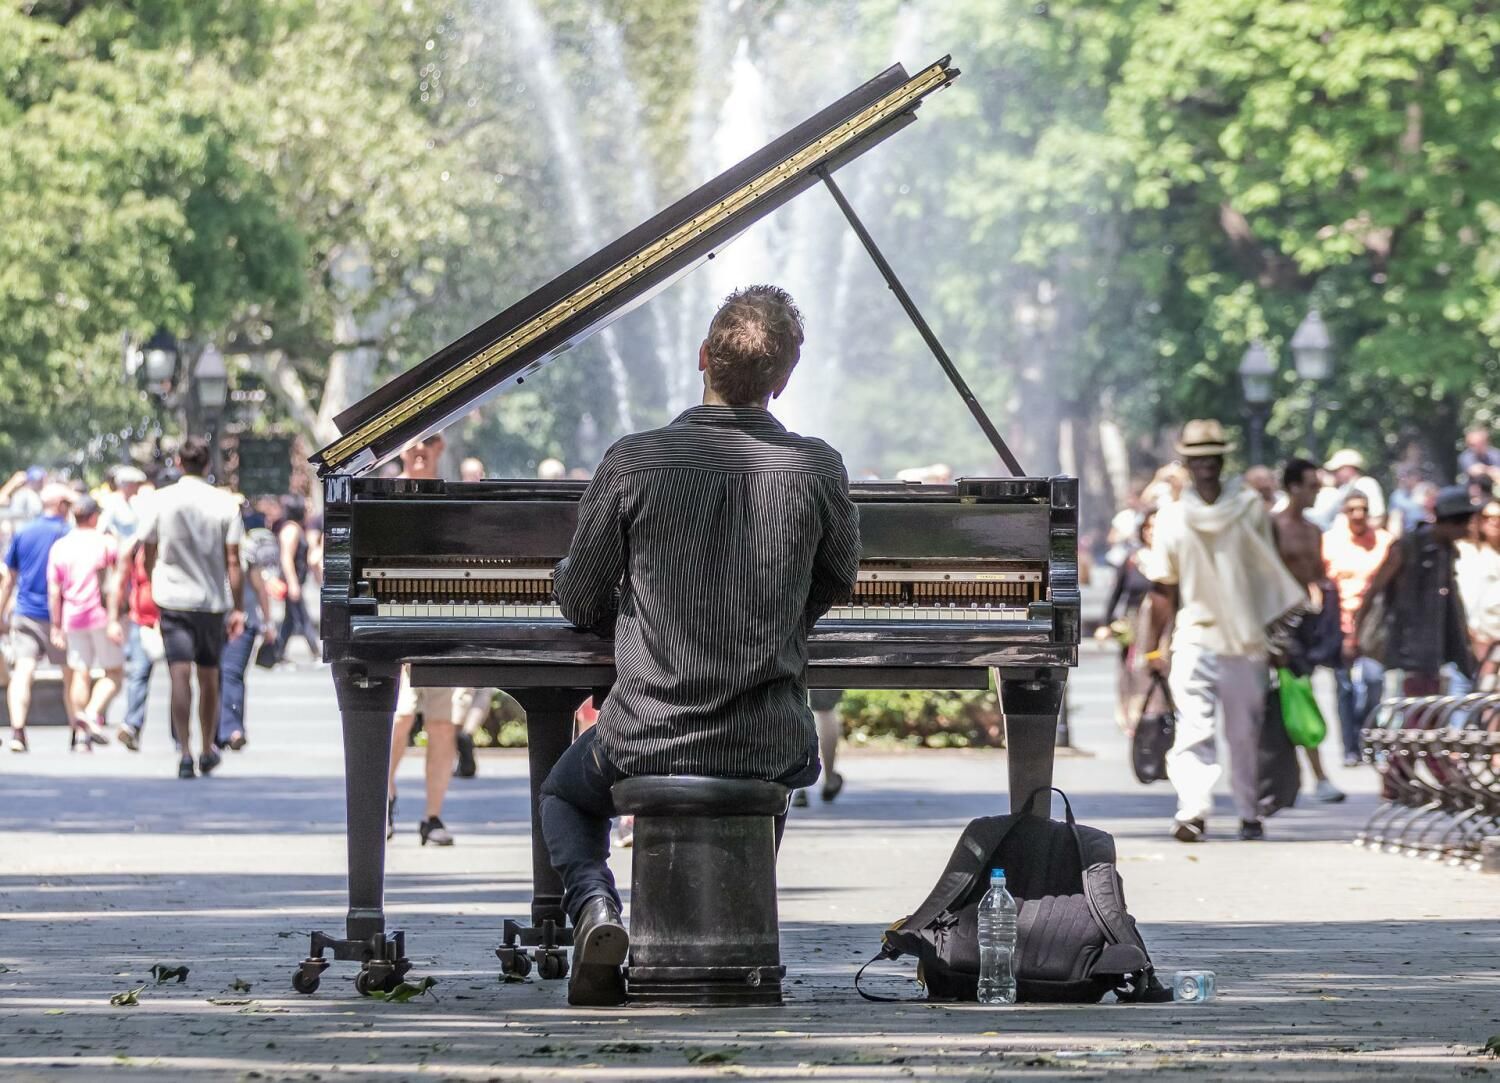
x=1332, y=962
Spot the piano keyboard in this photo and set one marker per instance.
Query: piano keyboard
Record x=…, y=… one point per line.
x=851, y=613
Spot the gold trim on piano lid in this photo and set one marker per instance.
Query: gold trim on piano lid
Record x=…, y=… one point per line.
x=346, y=447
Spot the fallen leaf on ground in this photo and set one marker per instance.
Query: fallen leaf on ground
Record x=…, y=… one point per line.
x=54, y=1011
x=228, y=1002
x=1492, y=1045
x=624, y=1047
x=128, y=999
x=713, y=1056
x=163, y=973
x=405, y=991
x=240, y=986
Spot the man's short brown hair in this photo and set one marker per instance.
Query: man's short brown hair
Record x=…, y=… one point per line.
x=753, y=342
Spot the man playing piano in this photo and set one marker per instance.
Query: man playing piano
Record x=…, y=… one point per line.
x=709, y=548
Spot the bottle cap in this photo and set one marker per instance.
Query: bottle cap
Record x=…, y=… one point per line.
x=997, y=874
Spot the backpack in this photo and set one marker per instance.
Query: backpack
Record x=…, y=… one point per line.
x=1075, y=939
x=262, y=550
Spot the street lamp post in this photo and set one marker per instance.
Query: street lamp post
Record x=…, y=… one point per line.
x=1312, y=354
x=211, y=390
x=1256, y=372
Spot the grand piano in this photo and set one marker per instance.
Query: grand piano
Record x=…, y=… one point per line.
x=453, y=579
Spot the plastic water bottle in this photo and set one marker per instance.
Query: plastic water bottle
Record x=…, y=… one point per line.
x=997, y=943
x=1193, y=986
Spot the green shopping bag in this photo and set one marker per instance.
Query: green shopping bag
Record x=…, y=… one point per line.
x=1299, y=710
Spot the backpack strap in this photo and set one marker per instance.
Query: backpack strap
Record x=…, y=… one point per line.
x=886, y=952
x=965, y=868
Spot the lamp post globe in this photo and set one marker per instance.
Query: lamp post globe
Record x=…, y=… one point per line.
x=1256, y=373
x=1312, y=348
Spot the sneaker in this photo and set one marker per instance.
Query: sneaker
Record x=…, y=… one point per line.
x=1251, y=831
x=1327, y=792
x=799, y=799
x=623, y=831
x=128, y=738
x=467, y=767
x=1351, y=759
x=185, y=768
x=208, y=761
x=18, y=742
x=433, y=831
x=1189, y=830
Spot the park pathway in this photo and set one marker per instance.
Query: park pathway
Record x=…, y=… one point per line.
x=1332, y=963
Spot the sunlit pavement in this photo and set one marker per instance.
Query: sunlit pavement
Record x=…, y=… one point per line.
x=1332, y=962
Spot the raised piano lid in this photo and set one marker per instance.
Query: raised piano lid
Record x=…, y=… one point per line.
x=623, y=274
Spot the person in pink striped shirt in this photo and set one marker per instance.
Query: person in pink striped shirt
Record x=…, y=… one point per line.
x=76, y=570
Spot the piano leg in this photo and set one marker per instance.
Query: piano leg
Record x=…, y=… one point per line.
x=367, y=701
x=1031, y=705
x=549, y=732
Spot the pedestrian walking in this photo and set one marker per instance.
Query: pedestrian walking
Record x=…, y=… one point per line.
x=1300, y=544
x=1424, y=627
x=1354, y=551
x=437, y=706
x=1348, y=469
x=1122, y=619
x=25, y=610
x=143, y=644
x=1479, y=587
x=78, y=567
x=291, y=534
x=192, y=535
x=1218, y=580
x=239, y=650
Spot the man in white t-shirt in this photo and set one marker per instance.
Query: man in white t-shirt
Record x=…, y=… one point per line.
x=1348, y=469
x=192, y=535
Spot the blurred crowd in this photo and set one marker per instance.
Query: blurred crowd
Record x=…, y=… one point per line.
x=1404, y=581
x=149, y=568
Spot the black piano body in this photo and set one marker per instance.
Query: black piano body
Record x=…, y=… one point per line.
x=957, y=582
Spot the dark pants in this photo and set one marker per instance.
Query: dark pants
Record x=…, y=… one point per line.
x=576, y=809
x=296, y=621
x=1421, y=684
x=1360, y=687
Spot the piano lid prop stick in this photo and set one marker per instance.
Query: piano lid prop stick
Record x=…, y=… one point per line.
x=954, y=377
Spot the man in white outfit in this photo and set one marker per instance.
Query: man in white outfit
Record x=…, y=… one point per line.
x=1215, y=569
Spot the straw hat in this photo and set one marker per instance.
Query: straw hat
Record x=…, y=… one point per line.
x=1203, y=436
x=1345, y=457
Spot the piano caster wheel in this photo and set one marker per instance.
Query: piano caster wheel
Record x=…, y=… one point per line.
x=552, y=964
x=306, y=977
x=514, y=963
x=378, y=978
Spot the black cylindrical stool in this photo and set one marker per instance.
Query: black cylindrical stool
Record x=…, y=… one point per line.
x=703, y=925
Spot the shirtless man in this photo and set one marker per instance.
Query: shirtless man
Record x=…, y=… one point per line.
x=1300, y=544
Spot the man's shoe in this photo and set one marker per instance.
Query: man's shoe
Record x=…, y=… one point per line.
x=1351, y=759
x=1189, y=830
x=799, y=799
x=128, y=738
x=433, y=831
x=208, y=761
x=1251, y=831
x=833, y=785
x=600, y=945
x=467, y=767
x=185, y=768
x=1327, y=792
